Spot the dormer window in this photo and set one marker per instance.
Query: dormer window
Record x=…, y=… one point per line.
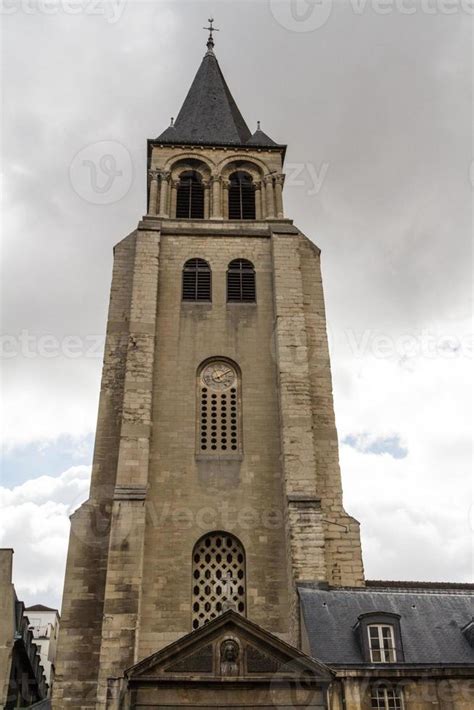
x=380, y=637
x=468, y=632
x=382, y=643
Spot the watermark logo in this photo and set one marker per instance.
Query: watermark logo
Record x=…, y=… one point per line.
x=102, y=173
x=301, y=15
x=111, y=10
x=311, y=15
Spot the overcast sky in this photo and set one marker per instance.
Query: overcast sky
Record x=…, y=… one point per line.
x=374, y=101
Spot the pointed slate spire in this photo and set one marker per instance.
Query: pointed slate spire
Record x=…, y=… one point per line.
x=209, y=114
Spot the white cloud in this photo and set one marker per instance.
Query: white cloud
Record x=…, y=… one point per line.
x=34, y=521
x=415, y=511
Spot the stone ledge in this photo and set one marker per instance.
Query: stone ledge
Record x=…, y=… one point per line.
x=130, y=493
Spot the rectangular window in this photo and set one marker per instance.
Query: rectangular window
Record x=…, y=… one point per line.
x=382, y=643
x=386, y=698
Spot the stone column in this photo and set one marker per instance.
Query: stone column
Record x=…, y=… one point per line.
x=164, y=209
x=174, y=196
x=216, y=197
x=279, y=181
x=225, y=198
x=270, y=197
x=152, y=202
x=258, y=200
x=207, y=198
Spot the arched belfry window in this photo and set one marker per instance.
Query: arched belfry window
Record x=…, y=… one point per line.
x=241, y=282
x=190, y=196
x=241, y=196
x=219, y=409
x=197, y=282
x=218, y=577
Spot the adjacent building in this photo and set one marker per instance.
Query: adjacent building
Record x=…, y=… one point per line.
x=214, y=564
x=22, y=678
x=43, y=623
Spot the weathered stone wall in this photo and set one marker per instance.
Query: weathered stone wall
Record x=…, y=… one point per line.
x=84, y=587
x=190, y=496
x=324, y=540
x=124, y=571
x=421, y=689
x=343, y=552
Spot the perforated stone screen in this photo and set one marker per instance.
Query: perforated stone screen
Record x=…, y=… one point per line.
x=218, y=577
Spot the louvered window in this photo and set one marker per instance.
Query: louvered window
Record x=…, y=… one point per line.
x=241, y=196
x=241, y=282
x=218, y=577
x=190, y=196
x=196, y=280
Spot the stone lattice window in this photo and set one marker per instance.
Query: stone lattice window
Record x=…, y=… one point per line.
x=385, y=697
x=241, y=286
x=241, y=196
x=218, y=577
x=219, y=421
x=197, y=280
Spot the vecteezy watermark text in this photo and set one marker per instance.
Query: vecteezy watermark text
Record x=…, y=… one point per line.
x=311, y=15
x=424, y=344
x=31, y=346
x=111, y=10
x=306, y=175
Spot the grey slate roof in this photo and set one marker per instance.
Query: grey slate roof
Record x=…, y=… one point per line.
x=431, y=622
x=209, y=115
x=260, y=138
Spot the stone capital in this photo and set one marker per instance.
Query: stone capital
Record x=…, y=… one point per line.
x=153, y=173
x=268, y=179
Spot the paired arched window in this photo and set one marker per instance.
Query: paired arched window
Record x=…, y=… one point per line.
x=197, y=281
x=218, y=577
x=241, y=282
x=190, y=196
x=219, y=407
x=241, y=196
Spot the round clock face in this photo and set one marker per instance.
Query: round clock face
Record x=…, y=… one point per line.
x=219, y=375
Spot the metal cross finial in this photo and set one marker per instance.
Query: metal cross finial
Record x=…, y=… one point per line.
x=211, y=29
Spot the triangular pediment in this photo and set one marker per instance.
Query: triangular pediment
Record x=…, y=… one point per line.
x=229, y=646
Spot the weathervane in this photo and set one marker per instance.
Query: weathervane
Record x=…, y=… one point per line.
x=210, y=41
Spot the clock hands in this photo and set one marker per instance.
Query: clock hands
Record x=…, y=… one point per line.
x=222, y=374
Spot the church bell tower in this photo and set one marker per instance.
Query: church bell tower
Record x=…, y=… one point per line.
x=215, y=487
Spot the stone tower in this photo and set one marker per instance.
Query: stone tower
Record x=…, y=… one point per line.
x=215, y=485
